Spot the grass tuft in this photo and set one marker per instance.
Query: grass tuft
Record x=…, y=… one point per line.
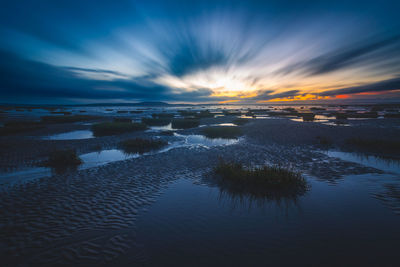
x=185, y=123
x=241, y=121
x=114, y=128
x=269, y=181
x=15, y=127
x=379, y=146
x=67, y=119
x=139, y=145
x=62, y=160
x=156, y=121
x=226, y=132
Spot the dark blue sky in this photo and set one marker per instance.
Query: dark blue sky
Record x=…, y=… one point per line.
x=199, y=51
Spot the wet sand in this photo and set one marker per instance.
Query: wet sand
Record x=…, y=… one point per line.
x=89, y=216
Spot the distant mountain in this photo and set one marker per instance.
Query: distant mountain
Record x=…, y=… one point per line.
x=151, y=104
x=138, y=104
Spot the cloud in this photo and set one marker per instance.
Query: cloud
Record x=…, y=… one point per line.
x=345, y=57
x=381, y=86
x=268, y=95
x=26, y=78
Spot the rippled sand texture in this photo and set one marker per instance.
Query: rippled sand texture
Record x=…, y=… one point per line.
x=89, y=216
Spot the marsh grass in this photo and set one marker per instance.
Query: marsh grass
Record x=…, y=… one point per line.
x=162, y=115
x=15, y=127
x=67, y=119
x=122, y=120
x=185, y=123
x=187, y=113
x=232, y=113
x=114, y=128
x=324, y=141
x=379, y=146
x=392, y=115
x=226, y=132
x=156, y=121
x=122, y=111
x=167, y=133
x=204, y=114
x=307, y=116
x=241, y=121
x=266, y=181
x=62, y=160
x=136, y=111
x=139, y=145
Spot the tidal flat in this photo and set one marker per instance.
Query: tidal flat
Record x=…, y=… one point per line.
x=165, y=205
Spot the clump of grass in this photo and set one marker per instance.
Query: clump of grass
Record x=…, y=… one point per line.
x=379, y=146
x=226, y=132
x=113, y=128
x=163, y=115
x=324, y=141
x=61, y=112
x=269, y=181
x=341, y=116
x=122, y=120
x=167, y=133
x=139, y=145
x=62, y=159
x=232, y=113
x=185, y=123
x=392, y=115
x=241, y=121
x=67, y=119
x=187, y=113
x=156, y=121
x=15, y=127
x=204, y=114
x=308, y=116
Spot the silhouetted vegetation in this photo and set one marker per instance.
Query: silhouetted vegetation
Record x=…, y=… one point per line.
x=62, y=160
x=241, y=121
x=167, y=133
x=226, y=132
x=139, y=145
x=122, y=111
x=67, y=119
x=187, y=113
x=136, y=111
x=266, y=181
x=392, y=115
x=113, y=128
x=156, y=121
x=204, y=114
x=375, y=145
x=232, y=113
x=61, y=112
x=122, y=119
x=307, y=116
x=163, y=115
x=185, y=123
x=15, y=127
x=324, y=141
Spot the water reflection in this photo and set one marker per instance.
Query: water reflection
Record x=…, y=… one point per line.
x=81, y=134
x=387, y=165
x=102, y=157
x=195, y=140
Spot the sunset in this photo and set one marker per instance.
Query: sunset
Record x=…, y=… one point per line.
x=199, y=133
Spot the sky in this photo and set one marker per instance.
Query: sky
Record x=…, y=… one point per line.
x=199, y=51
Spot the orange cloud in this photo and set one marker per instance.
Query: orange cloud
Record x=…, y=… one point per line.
x=228, y=101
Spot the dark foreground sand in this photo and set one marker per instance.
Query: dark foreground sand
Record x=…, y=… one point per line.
x=88, y=216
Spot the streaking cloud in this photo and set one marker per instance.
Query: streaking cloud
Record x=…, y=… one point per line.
x=200, y=51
